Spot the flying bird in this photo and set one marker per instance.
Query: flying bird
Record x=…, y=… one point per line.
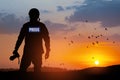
x=101, y=35
x=89, y=37
x=113, y=41
x=65, y=38
x=94, y=28
x=107, y=38
x=69, y=44
x=97, y=42
x=86, y=20
x=92, y=35
x=96, y=37
x=72, y=42
x=93, y=43
x=93, y=57
x=106, y=29
x=87, y=46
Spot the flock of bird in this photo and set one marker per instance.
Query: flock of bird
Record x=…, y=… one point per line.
x=92, y=37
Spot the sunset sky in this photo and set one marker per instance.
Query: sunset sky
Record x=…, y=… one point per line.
x=84, y=33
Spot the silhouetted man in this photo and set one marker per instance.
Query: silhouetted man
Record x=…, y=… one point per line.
x=34, y=32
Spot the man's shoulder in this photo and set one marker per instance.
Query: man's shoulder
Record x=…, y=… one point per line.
x=26, y=24
x=41, y=23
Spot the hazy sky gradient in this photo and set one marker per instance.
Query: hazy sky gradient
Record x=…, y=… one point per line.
x=62, y=12
x=67, y=21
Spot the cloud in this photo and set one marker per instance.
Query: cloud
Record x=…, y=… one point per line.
x=55, y=27
x=9, y=23
x=60, y=8
x=59, y=30
x=71, y=7
x=45, y=11
x=105, y=11
x=115, y=37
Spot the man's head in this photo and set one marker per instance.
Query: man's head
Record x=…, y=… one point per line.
x=34, y=14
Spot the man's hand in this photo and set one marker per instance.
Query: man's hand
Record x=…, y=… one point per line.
x=15, y=52
x=46, y=55
x=15, y=55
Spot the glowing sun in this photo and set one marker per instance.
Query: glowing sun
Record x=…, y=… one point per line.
x=97, y=62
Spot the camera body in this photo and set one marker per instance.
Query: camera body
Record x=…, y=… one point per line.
x=14, y=56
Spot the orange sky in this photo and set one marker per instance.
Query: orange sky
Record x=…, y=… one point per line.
x=70, y=23
x=75, y=56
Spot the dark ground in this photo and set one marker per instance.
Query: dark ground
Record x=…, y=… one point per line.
x=94, y=73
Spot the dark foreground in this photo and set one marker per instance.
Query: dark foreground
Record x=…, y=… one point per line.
x=95, y=73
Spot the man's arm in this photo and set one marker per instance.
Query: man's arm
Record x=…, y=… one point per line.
x=47, y=41
x=20, y=39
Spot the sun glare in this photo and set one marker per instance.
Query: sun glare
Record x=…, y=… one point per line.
x=97, y=62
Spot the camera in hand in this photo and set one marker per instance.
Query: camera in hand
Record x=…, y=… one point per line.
x=14, y=56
